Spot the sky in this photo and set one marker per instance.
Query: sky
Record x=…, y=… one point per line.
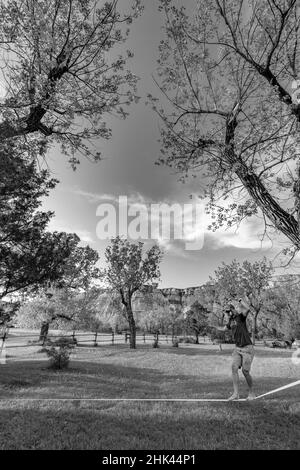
x=128, y=169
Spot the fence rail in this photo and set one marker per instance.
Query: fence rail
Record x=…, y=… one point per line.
x=15, y=340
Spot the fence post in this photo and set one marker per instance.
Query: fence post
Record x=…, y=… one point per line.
x=95, y=340
x=3, y=348
x=112, y=338
x=144, y=336
x=126, y=337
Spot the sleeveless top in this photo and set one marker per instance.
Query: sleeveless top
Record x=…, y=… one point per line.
x=237, y=324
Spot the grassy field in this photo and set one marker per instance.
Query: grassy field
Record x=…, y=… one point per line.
x=115, y=371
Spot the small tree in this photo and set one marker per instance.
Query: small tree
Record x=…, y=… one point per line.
x=247, y=279
x=97, y=310
x=280, y=313
x=68, y=299
x=196, y=318
x=154, y=312
x=50, y=306
x=174, y=319
x=59, y=353
x=128, y=272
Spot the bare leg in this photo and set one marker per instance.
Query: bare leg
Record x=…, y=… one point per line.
x=249, y=381
x=235, y=381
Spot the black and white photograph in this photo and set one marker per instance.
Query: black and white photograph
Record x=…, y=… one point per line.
x=149, y=228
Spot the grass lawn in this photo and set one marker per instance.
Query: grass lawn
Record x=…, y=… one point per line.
x=115, y=371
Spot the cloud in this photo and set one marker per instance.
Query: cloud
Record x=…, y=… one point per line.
x=183, y=221
x=132, y=199
x=247, y=235
x=84, y=235
x=172, y=247
x=93, y=197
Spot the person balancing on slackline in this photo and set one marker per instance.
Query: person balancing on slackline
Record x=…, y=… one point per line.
x=243, y=352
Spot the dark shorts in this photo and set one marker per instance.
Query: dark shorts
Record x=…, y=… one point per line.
x=243, y=357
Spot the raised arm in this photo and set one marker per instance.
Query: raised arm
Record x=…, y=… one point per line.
x=244, y=307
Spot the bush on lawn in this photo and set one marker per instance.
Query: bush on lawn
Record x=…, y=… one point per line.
x=59, y=352
x=284, y=344
x=187, y=339
x=217, y=337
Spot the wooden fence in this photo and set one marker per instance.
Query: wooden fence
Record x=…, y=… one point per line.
x=14, y=340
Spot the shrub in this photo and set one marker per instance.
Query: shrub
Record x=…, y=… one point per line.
x=187, y=339
x=296, y=332
x=155, y=344
x=175, y=343
x=59, y=352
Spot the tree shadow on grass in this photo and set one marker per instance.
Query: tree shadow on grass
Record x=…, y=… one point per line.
x=148, y=426
x=32, y=379
x=227, y=351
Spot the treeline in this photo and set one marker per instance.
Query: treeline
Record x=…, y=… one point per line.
x=274, y=305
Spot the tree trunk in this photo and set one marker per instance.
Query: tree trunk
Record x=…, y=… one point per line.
x=132, y=327
x=44, y=331
x=254, y=326
x=197, y=338
x=280, y=218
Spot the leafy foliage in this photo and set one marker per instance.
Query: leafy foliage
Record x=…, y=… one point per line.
x=59, y=352
x=128, y=269
x=250, y=280
x=29, y=254
x=280, y=316
x=156, y=315
x=71, y=301
x=225, y=68
x=235, y=280
x=196, y=318
x=7, y=312
x=62, y=71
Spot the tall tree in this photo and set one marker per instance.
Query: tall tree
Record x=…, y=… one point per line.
x=59, y=308
x=128, y=272
x=80, y=271
x=62, y=72
x=29, y=254
x=226, y=122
